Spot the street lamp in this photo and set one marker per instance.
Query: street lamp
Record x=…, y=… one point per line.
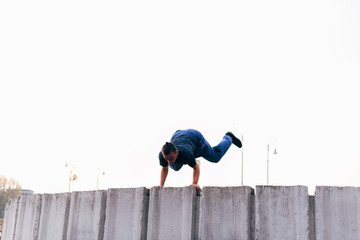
x=72, y=176
x=98, y=176
x=275, y=152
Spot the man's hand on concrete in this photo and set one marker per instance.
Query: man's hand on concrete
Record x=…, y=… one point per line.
x=198, y=189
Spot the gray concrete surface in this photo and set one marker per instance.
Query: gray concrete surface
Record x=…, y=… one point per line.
x=126, y=214
x=9, y=225
x=54, y=216
x=172, y=213
x=87, y=215
x=282, y=213
x=226, y=213
x=274, y=213
x=311, y=217
x=27, y=219
x=337, y=213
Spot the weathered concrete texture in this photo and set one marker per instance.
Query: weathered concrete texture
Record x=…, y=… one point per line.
x=10, y=220
x=126, y=214
x=225, y=213
x=282, y=213
x=173, y=213
x=87, y=215
x=337, y=212
x=276, y=212
x=28, y=215
x=54, y=216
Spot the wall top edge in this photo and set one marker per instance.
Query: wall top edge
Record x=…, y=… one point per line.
x=203, y=187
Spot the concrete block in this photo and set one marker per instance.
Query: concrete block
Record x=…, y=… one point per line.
x=337, y=212
x=8, y=230
x=173, y=214
x=28, y=215
x=54, y=216
x=282, y=213
x=87, y=215
x=226, y=213
x=126, y=214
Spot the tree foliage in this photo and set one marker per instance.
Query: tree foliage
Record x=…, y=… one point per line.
x=9, y=189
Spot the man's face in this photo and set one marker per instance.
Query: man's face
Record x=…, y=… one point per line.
x=171, y=157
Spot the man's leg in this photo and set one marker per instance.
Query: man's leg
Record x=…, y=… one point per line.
x=214, y=154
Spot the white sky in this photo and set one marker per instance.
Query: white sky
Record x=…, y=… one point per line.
x=103, y=84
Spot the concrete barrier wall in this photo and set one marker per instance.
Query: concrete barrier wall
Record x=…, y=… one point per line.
x=126, y=214
x=226, y=213
x=337, y=212
x=54, y=216
x=275, y=212
x=9, y=225
x=28, y=216
x=87, y=215
x=282, y=213
x=172, y=213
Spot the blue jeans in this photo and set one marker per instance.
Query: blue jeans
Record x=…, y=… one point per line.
x=203, y=148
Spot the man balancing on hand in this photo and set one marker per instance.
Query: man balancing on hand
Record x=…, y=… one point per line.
x=186, y=146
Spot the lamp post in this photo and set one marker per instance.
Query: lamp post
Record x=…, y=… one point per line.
x=242, y=161
x=72, y=176
x=98, y=176
x=267, y=165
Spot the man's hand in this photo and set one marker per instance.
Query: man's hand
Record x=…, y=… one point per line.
x=159, y=186
x=198, y=189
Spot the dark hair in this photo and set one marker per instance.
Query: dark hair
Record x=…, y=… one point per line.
x=168, y=148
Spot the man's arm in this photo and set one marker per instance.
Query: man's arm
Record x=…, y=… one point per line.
x=163, y=175
x=196, y=176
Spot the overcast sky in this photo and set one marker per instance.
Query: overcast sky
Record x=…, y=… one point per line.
x=103, y=84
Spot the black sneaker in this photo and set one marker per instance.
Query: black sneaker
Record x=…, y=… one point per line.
x=235, y=140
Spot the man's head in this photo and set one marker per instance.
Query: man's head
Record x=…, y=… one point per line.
x=169, y=152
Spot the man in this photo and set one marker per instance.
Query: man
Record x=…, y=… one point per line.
x=186, y=146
